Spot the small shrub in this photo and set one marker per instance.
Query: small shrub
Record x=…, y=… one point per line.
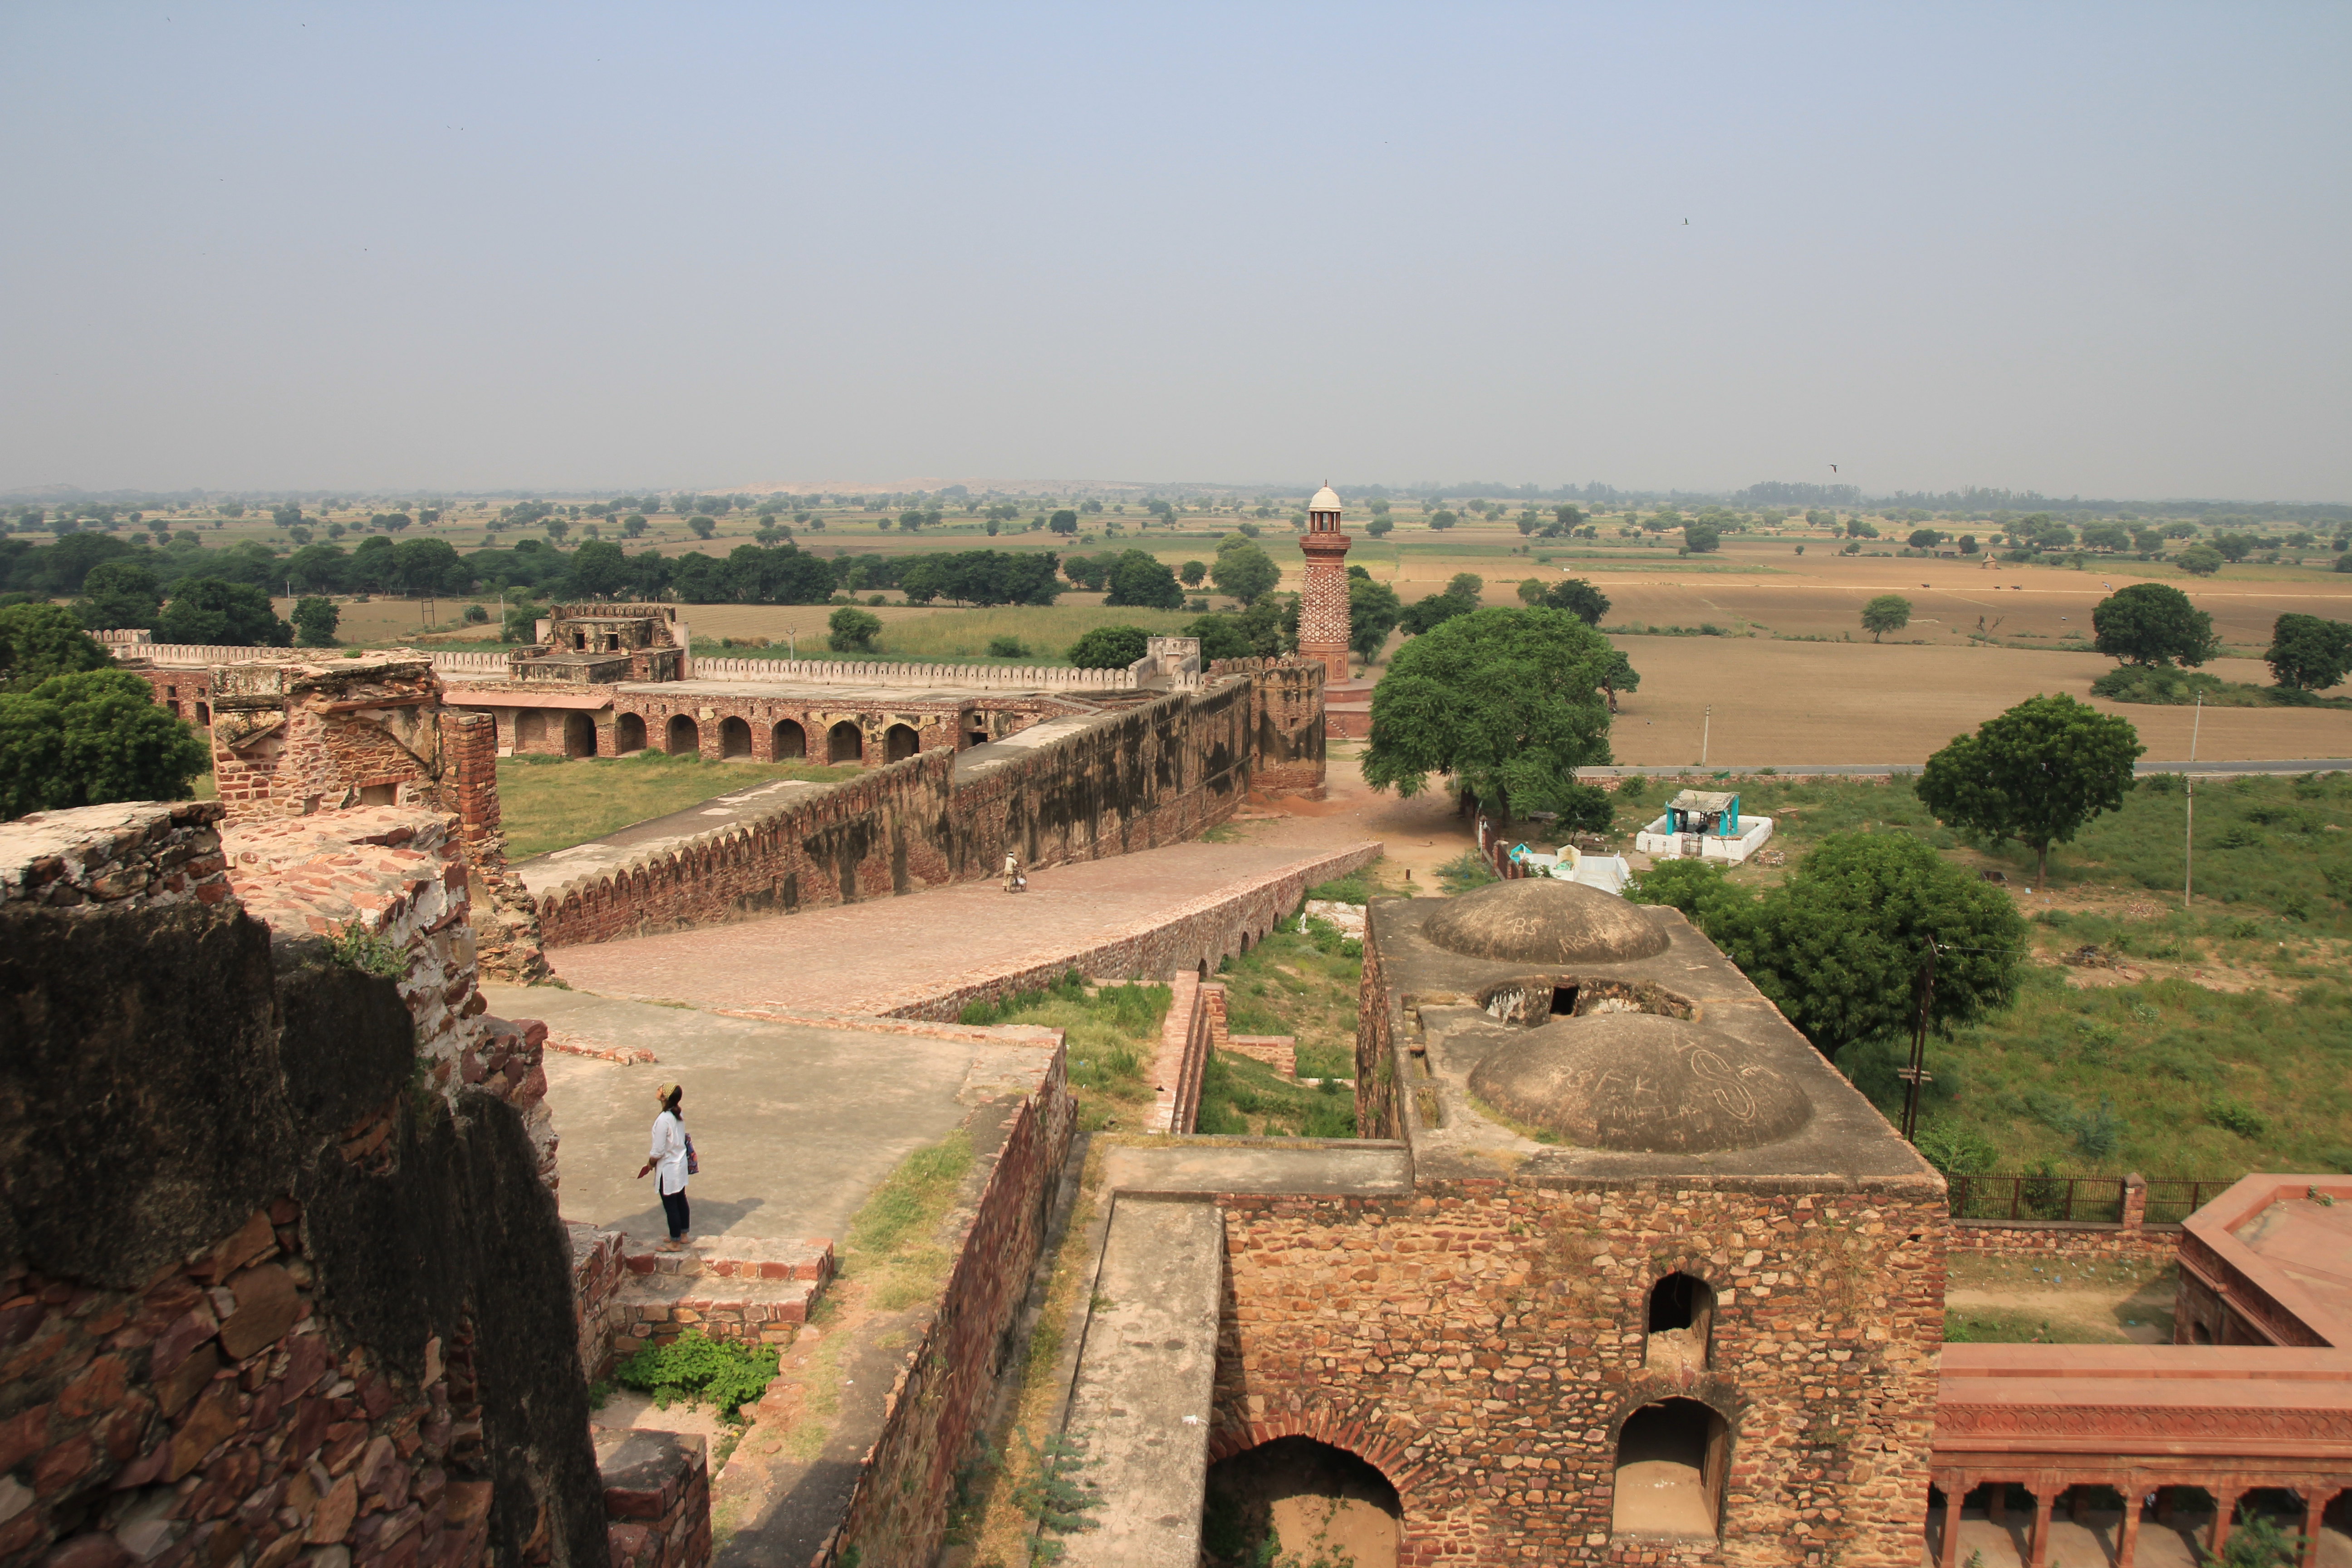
x=1007, y=648
x=723, y=1376
x=354, y=946
x=1348, y=890
x=2236, y=1116
x=1464, y=871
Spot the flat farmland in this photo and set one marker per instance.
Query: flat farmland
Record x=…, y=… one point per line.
x=1780, y=702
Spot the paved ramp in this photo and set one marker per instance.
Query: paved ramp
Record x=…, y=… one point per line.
x=1145, y=1379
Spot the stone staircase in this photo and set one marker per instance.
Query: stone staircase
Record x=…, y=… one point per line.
x=731, y=1288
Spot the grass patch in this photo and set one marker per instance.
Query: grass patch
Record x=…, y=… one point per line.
x=547, y=803
x=2012, y=1326
x=1351, y=888
x=1467, y=870
x=2282, y=844
x=1110, y=1034
x=2164, y=1076
x=1300, y=980
x=892, y=1247
x=1242, y=1095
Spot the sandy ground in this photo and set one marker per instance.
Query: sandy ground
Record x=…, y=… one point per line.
x=2114, y=1301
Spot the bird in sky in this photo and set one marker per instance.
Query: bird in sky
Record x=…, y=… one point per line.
x=1833, y=468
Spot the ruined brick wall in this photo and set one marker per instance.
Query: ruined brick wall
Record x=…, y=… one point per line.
x=394, y=873
x=1287, y=696
x=597, y=1276
x=1482, y=1343
x=297, y=1306
x=897, y=1511
x=182, y=691
x=1379, y=1113
x=658, y=1495
x=470, y=786
x=780, y=729
x=292, y=739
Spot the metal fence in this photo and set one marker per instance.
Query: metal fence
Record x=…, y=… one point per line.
x=2096, y=1199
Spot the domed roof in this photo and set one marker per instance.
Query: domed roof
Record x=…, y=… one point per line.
x=1326, y=500
x=1641, y=1082
x=1537, y=920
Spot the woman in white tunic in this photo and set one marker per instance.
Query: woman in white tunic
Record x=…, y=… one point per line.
x=669, y=1153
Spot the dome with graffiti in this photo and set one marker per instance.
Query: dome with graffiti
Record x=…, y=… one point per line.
x=1640, y=1081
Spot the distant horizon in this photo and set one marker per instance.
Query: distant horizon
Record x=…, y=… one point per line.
x=978, y=489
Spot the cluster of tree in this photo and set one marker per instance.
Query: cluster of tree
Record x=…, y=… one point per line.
x=2153, y=624
x=74, y=731
x=2308, y=653
x=1837, y=943
x=1127, y=577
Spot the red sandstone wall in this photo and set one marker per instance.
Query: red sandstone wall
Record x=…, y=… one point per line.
x=1502, y=1445
x=1159, y=774
x=1287, y=719
x=2060, y=1239
x=898, y=1511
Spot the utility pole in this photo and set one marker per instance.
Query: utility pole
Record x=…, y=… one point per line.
x=1923, y=989
x=1706, y=729
x=2189, y=832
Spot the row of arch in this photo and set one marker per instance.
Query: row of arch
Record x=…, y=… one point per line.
x=682, y=736
x=1673, y=1456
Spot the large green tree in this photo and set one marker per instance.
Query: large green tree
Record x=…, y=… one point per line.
x=1110, y=647
x=315, y=618
x=2035, y=774
x=1886, y=613
x=2152, y=624
x=120, y=594
x=1373, y=610
x=233, y=614
x=38, y=641
x=1245, y=570
x=90, y=736
x=1578, y=597
x=2306, y=652
x=1506, y=701
x=1143, y=580
x=1838, y=945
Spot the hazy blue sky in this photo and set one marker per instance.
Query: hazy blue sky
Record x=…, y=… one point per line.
x=2095, y=249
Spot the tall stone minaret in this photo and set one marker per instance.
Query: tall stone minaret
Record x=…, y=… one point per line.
x=1323, y=608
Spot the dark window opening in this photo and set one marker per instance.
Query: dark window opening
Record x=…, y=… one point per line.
x=684, y=737
x=379, y=794
x=1671, y=1461
x=1681, y=1322
x=1563, y=1001
x=1322, y=1502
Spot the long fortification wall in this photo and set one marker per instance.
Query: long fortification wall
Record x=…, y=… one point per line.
x=1160, y=773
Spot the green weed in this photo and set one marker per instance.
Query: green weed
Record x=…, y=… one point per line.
x=723, y=1376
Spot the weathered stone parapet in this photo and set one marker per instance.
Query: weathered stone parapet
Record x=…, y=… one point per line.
x=133, y=855
x=656, y=1498
x=291, y=738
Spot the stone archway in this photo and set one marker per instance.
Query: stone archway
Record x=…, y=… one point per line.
x=628, y=734
x=1326, y=1503
x=844, y=743
x=734, y=739
x=579, y=735
x=789, y=740
x=531, y=731
x=899, y=741
x=1672, y=1456
x=685, y=740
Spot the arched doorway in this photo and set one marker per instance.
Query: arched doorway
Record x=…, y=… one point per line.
x=685, y=740
x=531, y=731
x=579, y=735
x=1681, y=1322
x=844, y=743
x=628, y=734
x=734, y=738
x=1671, y=1460
x=1324, y=1505
x=898, y=743
x=789, y=740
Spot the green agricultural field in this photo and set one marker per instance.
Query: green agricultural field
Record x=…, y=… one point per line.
x=547, y=803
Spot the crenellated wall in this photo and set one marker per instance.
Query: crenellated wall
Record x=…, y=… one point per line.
x=1158, y=772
